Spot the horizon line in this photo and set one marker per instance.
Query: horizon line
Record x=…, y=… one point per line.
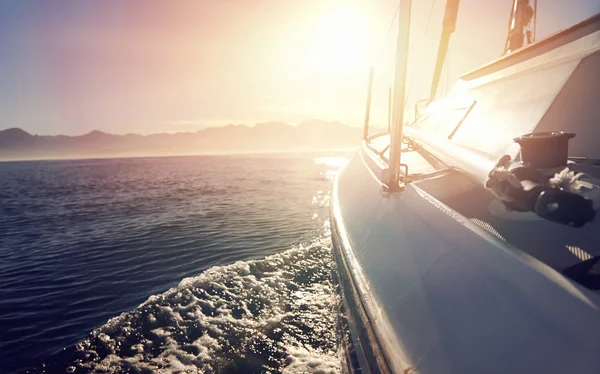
x=192, y=132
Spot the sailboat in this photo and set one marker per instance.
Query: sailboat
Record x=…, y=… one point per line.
x=466, y=242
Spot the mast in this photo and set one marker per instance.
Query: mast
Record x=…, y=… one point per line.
x=521, y=15
x=448, y=26
x=399, y=92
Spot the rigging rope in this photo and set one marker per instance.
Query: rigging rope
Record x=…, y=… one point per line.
x=414, y=70
x=419, y=50
x=387, y=35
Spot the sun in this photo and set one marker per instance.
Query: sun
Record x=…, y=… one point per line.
x=340, y=40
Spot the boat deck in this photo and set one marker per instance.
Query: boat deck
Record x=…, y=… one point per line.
x=558, y=246
x=451, y=289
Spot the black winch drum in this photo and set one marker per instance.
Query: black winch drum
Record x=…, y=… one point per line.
x=542, y=150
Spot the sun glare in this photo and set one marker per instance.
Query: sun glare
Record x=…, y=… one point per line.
x=340, y=41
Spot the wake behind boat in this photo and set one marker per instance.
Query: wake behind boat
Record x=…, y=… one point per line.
x=466, y=242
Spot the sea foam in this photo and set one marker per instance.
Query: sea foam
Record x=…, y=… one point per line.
x=277, y=314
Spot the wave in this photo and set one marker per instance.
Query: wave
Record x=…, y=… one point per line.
x=274, y=315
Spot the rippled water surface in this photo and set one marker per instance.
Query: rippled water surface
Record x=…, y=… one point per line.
x=197, y=264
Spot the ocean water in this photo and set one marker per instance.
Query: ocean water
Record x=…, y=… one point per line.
x=176, y=264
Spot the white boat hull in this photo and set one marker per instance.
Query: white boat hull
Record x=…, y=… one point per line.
x=429, y=291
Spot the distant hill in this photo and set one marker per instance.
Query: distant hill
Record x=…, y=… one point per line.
x=18, y=144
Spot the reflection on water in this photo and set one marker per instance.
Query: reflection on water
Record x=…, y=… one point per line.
x=86, y=240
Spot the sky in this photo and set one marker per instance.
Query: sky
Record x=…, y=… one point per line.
x=125, y=66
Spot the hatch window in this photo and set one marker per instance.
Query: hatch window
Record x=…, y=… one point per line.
x=443, y=118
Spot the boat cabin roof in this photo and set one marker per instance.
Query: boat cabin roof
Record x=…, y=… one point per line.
x=552, y=85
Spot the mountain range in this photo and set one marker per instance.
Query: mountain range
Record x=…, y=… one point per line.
x=17, y=144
